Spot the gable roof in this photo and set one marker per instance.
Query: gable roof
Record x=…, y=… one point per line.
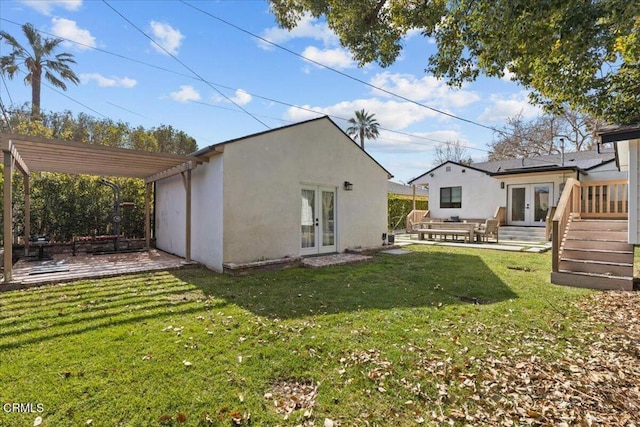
x=216, y=147
x=576, y=160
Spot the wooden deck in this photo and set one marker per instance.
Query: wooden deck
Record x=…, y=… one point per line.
x=88, y=266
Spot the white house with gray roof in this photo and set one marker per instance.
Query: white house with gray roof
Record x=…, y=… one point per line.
x=525, y=187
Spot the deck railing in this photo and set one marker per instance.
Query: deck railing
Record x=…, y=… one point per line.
x=414, y=217
x=595, y=199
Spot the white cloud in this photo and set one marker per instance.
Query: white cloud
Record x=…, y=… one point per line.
x=308, y=27
x=46, y=6
x=500, y=108
x=103, y=81
x=390, y=114
x=426, y=89
x=185, y=94
x=335, y=58
x=391, y=142
x=167, y=37
x=241, y=97
x=68, y=29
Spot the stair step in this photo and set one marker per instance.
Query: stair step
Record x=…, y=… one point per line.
x=606, y=268
x=598, y=255
x=597, y=235
x=599, y=225
x=602, y=245
x=592, y=281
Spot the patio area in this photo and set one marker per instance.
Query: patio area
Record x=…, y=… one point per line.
x=65, y=267
x=504, y=245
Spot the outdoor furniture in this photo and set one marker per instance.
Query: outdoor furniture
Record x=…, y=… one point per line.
x=89, y=241
x=490, y=228
x=40, y=242
x=445, y=229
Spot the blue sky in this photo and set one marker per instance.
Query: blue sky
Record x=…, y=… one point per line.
x=127, y=77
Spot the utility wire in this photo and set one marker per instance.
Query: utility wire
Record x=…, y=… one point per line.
x=388, y=92
x=185, y=65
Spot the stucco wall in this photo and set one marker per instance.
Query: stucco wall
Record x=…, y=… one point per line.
x=169, y=215
x=263, y=176
x=206, y=214
x=481, y=194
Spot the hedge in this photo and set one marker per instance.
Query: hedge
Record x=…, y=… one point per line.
x=400, y=206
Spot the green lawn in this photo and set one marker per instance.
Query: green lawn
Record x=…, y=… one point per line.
x=400, y=340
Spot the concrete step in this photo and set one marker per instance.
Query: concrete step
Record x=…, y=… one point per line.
x=592, y=281
x=603, y=255
x=525, y=234
x=620, y=269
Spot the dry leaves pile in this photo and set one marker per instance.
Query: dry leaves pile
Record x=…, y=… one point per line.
x=289, y=396
x=594, y=385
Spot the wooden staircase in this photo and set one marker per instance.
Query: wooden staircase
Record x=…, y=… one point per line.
x=595, y=254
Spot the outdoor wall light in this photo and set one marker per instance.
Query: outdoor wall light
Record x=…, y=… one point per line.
x=464, y=170
x=502, y=185
x=348, y=186
x=431, y=175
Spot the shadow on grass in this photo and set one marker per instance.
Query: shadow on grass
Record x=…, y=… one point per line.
x=389, y=281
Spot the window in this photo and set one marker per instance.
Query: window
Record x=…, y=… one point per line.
x=451, y=197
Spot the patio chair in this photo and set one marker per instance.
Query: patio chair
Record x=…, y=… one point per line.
x=490, y=228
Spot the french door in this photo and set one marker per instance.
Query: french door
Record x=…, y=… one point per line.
x=528, y=204
x=317, y=220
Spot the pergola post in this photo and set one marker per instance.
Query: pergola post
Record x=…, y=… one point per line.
x=414, y=197
x=187, y=240
x=27, y=213
x=8, y=217
x=147, y=215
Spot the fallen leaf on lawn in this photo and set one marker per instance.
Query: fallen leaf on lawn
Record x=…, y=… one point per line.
x=328, y=423
x=37, y=421
x=186, y=363
x=181, y=418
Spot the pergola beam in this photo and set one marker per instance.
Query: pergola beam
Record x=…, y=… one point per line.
x=18, y=159
x=186, y=166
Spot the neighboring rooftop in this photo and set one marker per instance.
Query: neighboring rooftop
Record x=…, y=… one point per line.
x=579, y=159
x=406, y=190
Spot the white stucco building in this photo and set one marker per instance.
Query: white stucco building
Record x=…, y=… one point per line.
x=525, y=188
x=302, y=189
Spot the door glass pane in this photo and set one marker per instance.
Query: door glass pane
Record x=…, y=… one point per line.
x=540, y=202
x=308, y=213
x=517, y=204
x=328, y=235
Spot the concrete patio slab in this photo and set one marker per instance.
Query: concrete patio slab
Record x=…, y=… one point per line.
x=334, y=259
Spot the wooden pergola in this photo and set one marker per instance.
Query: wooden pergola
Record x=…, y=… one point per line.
x=34, y=154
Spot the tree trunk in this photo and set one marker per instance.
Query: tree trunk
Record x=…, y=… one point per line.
x=362, y=138
x=35, y=94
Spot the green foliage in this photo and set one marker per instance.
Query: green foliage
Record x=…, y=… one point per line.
x=39, y=61
x=581, y=54
x=364, y=126
x=400, y=206
x=63, y=205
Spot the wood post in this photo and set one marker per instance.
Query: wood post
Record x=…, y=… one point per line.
x=27, y=213
x=147, y=215
x=414, y=197
x=8, y=217
x=187, y=240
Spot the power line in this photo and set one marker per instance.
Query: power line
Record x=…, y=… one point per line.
x=388, y=92
x=232, y=88
x=186, y=66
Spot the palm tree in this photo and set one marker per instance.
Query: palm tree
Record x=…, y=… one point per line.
x=40, y=58
x=364, y=126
